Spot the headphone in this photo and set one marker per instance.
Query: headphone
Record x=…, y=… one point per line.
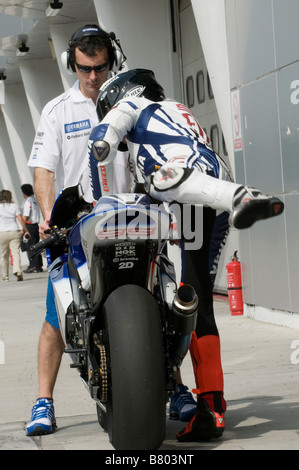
x=115, y=52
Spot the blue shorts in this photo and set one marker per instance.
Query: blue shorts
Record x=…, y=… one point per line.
x=51, y=313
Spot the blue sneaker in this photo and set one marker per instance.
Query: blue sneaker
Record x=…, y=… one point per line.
x=182, y=404
x=42, y=418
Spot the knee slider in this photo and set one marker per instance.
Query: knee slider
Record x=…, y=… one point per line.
x=169, y=176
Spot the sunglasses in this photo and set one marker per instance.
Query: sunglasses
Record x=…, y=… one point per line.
x=88, y=69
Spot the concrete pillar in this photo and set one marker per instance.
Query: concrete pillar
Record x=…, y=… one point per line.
x=146, y=37
x=212, y=32
x=8, y=173
x=20, y=130
x=42, y=82
x=60, y=35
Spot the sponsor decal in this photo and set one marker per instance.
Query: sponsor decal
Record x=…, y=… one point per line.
x=136, y=91
x=236, y=117
x=154, y=223
x=77, y=126
x=103, y=177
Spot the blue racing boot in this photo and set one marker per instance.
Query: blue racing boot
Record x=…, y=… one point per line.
x=182, y=404
x=42, y=418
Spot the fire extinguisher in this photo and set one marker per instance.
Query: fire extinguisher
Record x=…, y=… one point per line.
x=234, y=286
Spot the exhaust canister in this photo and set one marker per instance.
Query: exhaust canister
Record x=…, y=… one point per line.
x=184, y=308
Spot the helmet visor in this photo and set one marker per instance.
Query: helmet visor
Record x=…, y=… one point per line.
x=107, y=100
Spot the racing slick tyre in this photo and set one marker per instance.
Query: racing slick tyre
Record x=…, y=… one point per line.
x=136, y=372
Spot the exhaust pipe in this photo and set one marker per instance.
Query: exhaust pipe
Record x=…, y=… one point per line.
x=184, y=308
x=183, y=317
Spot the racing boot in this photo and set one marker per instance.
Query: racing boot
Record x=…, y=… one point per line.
x=208, y=422
x=42, y=418
x=250, y=205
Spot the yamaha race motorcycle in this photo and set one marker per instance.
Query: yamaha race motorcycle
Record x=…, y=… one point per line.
x=126, y=320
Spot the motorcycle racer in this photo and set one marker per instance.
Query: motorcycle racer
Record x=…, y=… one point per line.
x=170, y=152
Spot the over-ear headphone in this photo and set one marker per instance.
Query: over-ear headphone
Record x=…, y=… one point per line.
x=115, y=52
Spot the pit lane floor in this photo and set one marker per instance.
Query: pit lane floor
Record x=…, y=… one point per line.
x=259, y=361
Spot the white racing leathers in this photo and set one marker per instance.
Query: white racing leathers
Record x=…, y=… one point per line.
x=168, y=149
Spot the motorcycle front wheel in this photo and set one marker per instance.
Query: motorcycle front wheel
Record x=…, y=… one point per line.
x=136, y=372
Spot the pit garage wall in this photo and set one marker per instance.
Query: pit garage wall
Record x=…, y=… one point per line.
x=149, y=36
x=263, y=38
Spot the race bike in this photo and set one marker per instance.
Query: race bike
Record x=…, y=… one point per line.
x=125, y=319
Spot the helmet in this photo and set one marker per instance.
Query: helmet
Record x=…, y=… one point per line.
x=137, y=82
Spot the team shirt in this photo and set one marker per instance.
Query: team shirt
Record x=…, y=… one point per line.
x=61, y=140
x=31, y=210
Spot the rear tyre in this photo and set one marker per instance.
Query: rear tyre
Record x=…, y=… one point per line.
x=136, y=372
x=102, y=418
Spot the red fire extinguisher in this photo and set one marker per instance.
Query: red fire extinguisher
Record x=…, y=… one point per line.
x=234, y=286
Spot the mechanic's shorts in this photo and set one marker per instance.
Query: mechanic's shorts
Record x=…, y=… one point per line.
x=51, y=314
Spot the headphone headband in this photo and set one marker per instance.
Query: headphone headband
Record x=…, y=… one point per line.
x=91, y=30
x=116, y=55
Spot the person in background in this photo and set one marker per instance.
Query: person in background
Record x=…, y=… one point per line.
x=31, y=216
x=10, y=235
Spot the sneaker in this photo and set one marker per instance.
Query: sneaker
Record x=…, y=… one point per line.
x=35, y=269
x=38, y=269
x=5, y=279
x=182, y=404
x=27, y=270
x=250, y=205
x=19, y=276
x=205, y=424
x=42, y=418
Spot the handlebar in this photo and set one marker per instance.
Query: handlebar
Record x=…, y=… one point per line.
x=42, y=245
x=56, y=236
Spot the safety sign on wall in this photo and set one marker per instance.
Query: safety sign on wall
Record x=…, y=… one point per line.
x=236, y=118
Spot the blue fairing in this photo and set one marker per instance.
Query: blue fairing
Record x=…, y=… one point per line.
x=105, y=203
x=76, y=249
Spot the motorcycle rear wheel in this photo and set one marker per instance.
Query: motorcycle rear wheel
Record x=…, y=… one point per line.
x=134, y=349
